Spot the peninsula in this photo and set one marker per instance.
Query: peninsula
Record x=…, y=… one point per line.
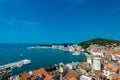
x=97, y=44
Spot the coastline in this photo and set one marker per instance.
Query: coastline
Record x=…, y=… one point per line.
x=71, y=49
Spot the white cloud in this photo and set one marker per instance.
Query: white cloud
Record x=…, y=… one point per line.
x=16, y=24
x=28, y=24
x=8, y=22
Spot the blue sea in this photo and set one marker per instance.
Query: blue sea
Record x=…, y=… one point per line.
x=40, y=57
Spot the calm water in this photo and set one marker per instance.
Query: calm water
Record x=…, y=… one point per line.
x=39, y=57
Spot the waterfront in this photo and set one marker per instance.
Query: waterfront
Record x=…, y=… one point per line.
x=39, y=57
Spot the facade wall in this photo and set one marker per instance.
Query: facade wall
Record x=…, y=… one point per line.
x=96, y=64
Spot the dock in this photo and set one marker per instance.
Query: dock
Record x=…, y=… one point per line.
x=16, y=64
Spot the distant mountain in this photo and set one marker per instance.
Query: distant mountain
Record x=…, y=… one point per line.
x=100, y=41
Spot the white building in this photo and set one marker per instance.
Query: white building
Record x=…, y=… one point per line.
x=89, y=60
x=71, y=48
x=69, y=66
x=85, y=78
x=95, y=62
x=96, y=53
x=107, y=74
x=73, y=65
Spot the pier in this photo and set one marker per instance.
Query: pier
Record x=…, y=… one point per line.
x=16, y=64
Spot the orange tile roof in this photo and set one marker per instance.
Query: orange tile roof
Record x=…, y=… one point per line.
x=84, y=66
x=112, y=51
x=73, y=78
x=116, y=52
x=71, y=74
x=96, y=74
x=109, y=53
x=113, y=66
x=115, y=77
x=23, y=76
x=42, y=71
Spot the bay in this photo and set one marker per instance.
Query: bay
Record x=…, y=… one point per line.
x=39, y=57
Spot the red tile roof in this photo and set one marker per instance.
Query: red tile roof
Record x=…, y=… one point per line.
x=96, y=74
x=38, y=72
x=73, y=78
x=112, y=51
x=116, y=77
x=113, y=66
x=71, y=75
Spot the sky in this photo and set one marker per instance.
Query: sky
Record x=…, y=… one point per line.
x=58, y=21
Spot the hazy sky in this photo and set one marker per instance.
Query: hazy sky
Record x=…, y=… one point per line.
x=48, y=21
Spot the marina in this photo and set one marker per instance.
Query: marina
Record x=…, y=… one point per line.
x=16, y=64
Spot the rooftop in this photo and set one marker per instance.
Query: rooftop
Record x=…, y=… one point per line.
x=71, y=75
x=36, y=74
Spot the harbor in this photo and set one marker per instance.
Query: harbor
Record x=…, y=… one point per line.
x=7, y=69
x=16, y=64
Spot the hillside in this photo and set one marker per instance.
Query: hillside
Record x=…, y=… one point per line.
x=99, y=41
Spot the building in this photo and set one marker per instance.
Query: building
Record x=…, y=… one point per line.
x=95, y=62
x=85, y=78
